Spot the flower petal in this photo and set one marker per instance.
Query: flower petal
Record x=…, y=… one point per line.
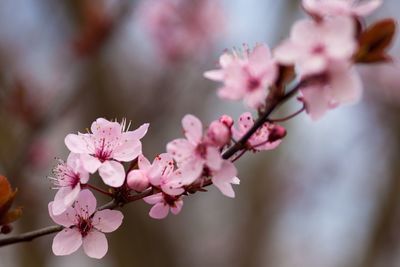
x=159, y=211
x=76, y=143
x=66, y=242
x=153, y=199
x=107, y=220
x=95, y=244
x=112, y=173
x=85, y=204
x=214, y=159
x=66, y=218
x=180, y=149
x=90, y=163
x=128, y=150
x=177, y=207
x=193, y=128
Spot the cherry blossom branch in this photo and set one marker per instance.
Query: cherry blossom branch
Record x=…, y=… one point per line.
x=272, y=103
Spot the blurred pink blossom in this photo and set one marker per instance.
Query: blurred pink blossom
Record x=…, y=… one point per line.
x=246, y=76
x=84, y=226
x=181, y=28
x=313, y=44
x=341, y=85
x=225, y=177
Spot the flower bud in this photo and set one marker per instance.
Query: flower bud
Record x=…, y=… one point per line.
x=218, y=134
x=276, y=133
x=227, y=120
x=6, y=229
x=137, y=180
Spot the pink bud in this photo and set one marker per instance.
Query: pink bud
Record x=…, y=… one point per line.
x=137, y=180
x=276, y=133
x=218, y=133
x=227, y=120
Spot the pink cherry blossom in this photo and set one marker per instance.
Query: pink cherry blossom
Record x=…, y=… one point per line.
x=181, y=28
x=341, y=85
x=68, y=177
x=84, y=226
x=246, y=76
x=106, y=146
x=261, y=139
x=313, y=44
x=194, y=153
x=225, y=177
x=160, y=173
x=162, y=204
x=341, y=7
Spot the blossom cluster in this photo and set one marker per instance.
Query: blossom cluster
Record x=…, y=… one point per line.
x=321, y=46
x=321, y=51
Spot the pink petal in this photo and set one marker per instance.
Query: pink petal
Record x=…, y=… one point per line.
x=64, y=198
x=76, y=144
x=159, y=211
x=256, y=99
x=191, y=171
x=193, y=128
x=140, y=132
x=66, y=218
x=214, y=159
x=365, y=9
x=66, y=242
x=287, y=53
x=104, y=128
x=90, y=163
x=316, y=101
x=107, y=221
x=112, y=173
x=215, y=75
x=143, y=162
x=173, y=184
x=128, y=150
x=346, y=86
x=180, y=149
x=178, y=207
x=163, y=166
x=153, y=199
x=225, y=60
x=95, y=244
x=85, y=204
x=223, y=178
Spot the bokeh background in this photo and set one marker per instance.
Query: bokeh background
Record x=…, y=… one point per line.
x=329, y=196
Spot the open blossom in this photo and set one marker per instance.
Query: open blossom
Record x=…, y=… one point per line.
x=160, y=173
x=105, y=147
x=341, y=7
x=84, y=226
x=246, y=76
x=225, y=177
x=181, y=28
x=313, y=44
x=267, y=137
x=194, y=153
x=162, y=204
x=68, y=177
x=340, y=85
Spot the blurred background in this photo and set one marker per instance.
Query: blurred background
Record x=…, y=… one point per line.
x=328, y=196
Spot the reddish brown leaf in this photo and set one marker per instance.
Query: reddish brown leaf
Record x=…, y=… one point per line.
x=374, y=42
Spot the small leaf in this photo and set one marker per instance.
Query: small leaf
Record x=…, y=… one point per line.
x=374, y=42
x=7, y=196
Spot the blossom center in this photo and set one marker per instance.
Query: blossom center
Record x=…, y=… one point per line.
x=201, y=150
x=253, y=83
x=84, y=226
x=103, y=151
x=318, y=49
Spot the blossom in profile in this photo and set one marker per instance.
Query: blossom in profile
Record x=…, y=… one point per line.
x=246, y=75
x=67, y=178
x=340, y=85
x=354, y=8
x=194, y=153
x=162, y=204
x=106, y=146
x=267, y=137
x=312, y=45
x=84, y=226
